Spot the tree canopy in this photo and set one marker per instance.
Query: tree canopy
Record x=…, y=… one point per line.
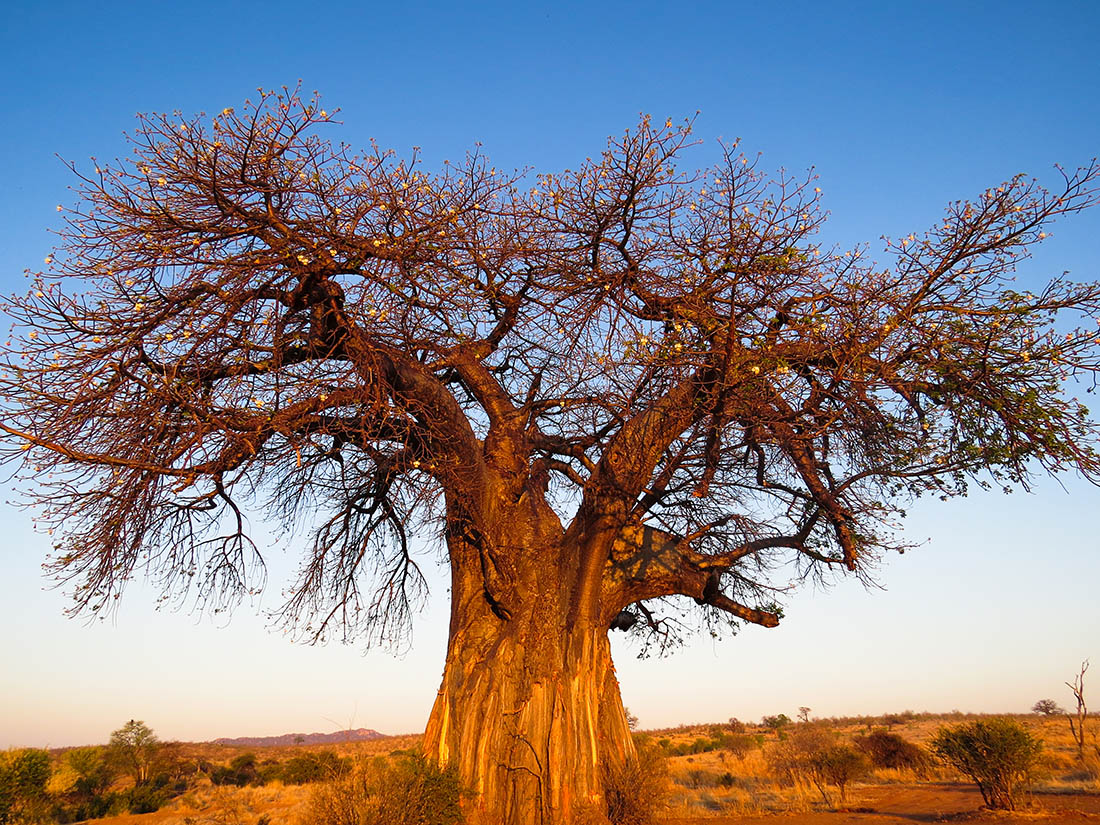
x=243, y=316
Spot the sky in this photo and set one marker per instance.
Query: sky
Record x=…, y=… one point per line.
x=899, y=107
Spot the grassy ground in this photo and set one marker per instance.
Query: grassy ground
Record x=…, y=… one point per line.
x=698, y=787
x=714, y=786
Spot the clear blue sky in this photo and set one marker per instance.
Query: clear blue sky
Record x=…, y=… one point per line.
x=901, y=108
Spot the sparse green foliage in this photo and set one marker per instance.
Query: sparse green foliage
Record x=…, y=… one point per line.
x=997, y=754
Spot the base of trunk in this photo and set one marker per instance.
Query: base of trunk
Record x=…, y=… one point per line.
x=531, y=727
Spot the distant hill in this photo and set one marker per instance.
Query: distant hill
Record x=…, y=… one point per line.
x=357, y=735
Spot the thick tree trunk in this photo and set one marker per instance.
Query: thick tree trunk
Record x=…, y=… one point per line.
x=530, y=735
x=529, y=709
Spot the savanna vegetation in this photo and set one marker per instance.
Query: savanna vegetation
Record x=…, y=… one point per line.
x=740, y=769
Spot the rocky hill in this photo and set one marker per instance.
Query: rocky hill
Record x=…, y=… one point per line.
x=357, y=735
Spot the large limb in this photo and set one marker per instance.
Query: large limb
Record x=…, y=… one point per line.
x=647, y=563
x=620, y=475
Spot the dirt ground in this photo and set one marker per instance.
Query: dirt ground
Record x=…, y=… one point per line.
x=908, y=804
x=870, y=805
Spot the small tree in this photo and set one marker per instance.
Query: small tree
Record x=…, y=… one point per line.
x=838, y=765
x=133, y=748
x=777, y=722
x=1047, y=707
x=997, y=755
x=812, y=756
x=804, y=714
x=631, y=719
x=1077, y=728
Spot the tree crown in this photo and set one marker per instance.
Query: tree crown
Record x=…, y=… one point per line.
x=241, y=314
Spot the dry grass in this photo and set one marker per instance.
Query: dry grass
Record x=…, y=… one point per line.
x=718, y=783
x=270, y=804
x=710, y=784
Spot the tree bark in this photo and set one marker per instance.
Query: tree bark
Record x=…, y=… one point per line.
x=529, y=710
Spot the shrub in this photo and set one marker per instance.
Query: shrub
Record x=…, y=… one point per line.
x=23, y=778
x=408, y=791
x=790, y=760
x=240, y=771
x=812, y=756
x=738, y=744
x=145, y=799
x=838, y=765
x=776, y=723
x=637, y=791
x=998, y=755
x=888, y=750
x=312, y=767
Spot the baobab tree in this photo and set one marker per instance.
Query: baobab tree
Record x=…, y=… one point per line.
x=620, y=397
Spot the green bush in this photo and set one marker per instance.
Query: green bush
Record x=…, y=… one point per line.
x=313, y=767
x=145, y=799
x=23, y=778
x=776, y=723
x=998, y=755
x=240, y=771
x=738, y=744
x=888, y=750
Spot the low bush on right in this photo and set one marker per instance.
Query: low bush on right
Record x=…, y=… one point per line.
x=998, y=755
